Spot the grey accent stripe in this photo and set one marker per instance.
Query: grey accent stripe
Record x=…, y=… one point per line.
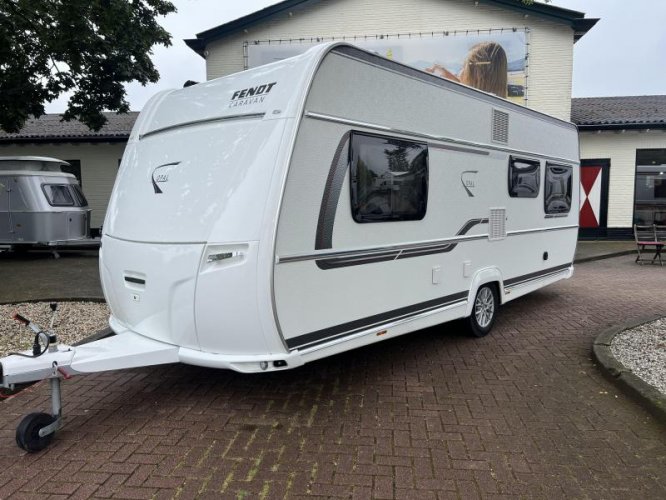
x=332, y=190
x=518, y=232
x=409, y=246
x=247, y=116
x=432, y=145
x=106, y=235
x=535, y=276
x=430, y=137
x=404, y=253
x=352, y=327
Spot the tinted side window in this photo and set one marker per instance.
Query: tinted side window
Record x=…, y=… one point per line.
x=557, y=199
x=523, y=178
x=58, y=195
x=389, y=179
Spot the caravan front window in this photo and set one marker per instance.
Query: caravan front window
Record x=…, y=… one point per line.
x=389, y=179
x=58, y=195
x=523, y=178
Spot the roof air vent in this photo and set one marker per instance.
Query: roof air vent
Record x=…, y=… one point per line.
x=500, y=126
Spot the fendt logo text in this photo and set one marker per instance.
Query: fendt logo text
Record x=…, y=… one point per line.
x=251, y=95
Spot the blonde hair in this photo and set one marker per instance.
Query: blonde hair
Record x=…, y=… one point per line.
x=485, y=68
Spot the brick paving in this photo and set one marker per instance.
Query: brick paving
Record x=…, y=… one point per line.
x=36, y=275
x=523, y=412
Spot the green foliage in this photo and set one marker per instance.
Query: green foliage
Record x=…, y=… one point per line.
x=92, y=48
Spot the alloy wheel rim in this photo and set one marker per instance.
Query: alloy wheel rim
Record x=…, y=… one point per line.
x=484, y=307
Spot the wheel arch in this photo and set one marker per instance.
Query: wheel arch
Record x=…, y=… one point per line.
x=485, y=276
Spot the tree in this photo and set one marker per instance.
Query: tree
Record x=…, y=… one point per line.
x=89, y=47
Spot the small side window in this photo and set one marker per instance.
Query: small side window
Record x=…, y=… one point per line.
x=523, y=178
x=557, y=199
x=58, y=195
x=389, y=179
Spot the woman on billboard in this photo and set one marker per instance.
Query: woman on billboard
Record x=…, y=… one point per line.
x=484, y=68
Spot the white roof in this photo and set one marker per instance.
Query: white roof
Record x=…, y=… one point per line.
x=37, y=173
x=25, y=164
x=45, y=159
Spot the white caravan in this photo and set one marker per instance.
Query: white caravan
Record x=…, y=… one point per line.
x=318, y=204
x=39, y=203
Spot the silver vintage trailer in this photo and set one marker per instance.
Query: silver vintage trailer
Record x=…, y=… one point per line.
x=315, y=205
x=39, y=203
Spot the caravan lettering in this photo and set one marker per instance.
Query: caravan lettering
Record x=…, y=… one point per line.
x=251, y=95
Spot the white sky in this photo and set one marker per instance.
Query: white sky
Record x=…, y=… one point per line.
x=624, y=54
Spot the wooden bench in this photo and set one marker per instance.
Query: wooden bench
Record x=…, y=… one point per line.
x=648, y=239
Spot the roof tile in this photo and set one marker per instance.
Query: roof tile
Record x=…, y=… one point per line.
x=51, y=127
x=617, y=111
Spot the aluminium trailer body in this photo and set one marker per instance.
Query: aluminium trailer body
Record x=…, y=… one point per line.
x=40, y=204
x=321, y=203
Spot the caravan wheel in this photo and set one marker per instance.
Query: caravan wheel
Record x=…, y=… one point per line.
x=484, y=311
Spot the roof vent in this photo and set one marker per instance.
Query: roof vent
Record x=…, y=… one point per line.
x=500, y=126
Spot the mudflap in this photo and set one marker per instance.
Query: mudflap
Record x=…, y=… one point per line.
x=126, y=350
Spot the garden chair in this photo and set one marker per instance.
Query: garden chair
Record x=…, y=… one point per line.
x=646, y=240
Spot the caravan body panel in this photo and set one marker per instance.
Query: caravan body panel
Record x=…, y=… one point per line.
x=188, y=211
x=353, y=276
x=235, y=205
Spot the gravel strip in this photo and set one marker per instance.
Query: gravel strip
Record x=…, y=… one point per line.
x=643, y=351
x=74, y=321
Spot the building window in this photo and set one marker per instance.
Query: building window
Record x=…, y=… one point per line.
x=73, y=168
x=557, y=189
x=389, y=179
x=523, y=178
x=650, y=195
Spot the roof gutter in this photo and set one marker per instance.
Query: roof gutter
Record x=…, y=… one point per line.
x=56, y=139
x=621, y=126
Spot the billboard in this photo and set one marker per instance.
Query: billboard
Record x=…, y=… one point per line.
x=494, y=61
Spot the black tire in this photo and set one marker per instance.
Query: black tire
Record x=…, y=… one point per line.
x=27, y=432
x=484, y=311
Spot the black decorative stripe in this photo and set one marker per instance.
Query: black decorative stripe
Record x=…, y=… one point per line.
x=138, y=281
x=352, y=327
x=419, y=252
x=337, y=262
x=326, y=264
x=534, y=276
x=329, y=202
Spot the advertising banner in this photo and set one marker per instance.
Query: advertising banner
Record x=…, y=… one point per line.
x=494, y=61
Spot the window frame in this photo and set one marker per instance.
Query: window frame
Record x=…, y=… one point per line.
x=353, y=190
x=48, y=198
x=533, y=163
x=79, y=196
x=548, y=166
